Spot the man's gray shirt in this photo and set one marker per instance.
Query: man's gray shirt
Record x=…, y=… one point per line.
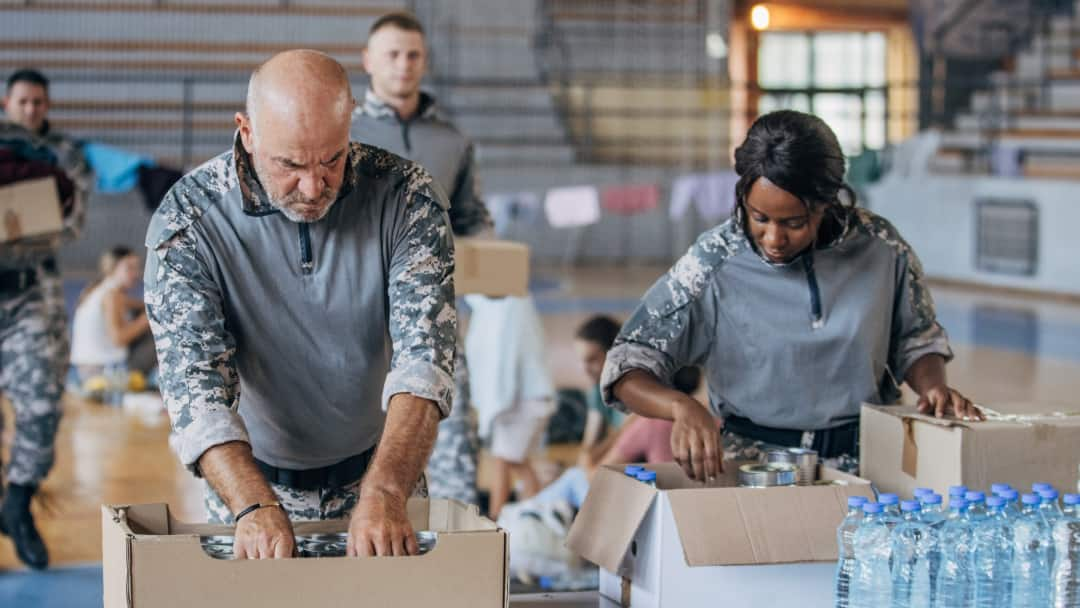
x=431, y=140
x=293, y=337
x=752, y=325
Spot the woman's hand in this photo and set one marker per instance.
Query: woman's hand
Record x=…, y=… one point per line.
x=941, y=401
x=695, y=440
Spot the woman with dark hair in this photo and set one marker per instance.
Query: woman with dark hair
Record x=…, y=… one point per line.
x=801, y=307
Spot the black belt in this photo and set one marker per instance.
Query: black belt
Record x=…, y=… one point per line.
x=18, y=280
x=829, y=443
x=338, y=475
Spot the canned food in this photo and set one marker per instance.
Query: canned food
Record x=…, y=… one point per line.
x=778, y=455
x=806, y=460
x=767, y=475
x=308, y=545
x=831, y=482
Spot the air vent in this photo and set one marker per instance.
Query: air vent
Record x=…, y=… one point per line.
x=1007, y=239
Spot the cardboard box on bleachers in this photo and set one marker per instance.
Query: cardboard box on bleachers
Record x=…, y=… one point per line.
x=684, y=544
x=491, y=267
x=151, y=560
x=901, y=450
x=35, y=203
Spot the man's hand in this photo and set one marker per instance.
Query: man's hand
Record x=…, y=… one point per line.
x=12, y=226
x=941, y=401
x=380, y=527
x=264, y=533
x=695, y=440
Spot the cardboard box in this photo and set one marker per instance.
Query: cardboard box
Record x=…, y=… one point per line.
x=491, y=268
x=153, y=561
x=901, y=450
x=36, y=204
x=688, y=545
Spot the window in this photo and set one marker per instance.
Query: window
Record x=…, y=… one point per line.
x=840, y=76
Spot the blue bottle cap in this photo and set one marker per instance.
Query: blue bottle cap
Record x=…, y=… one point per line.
x=856, y=501
x=1072, y=499
x=921, y=491
x=975, y=496
x=888, y=499
x=1050, y=495
x=995, y=502
x=871, y=507
x=957, y=491
x=646, y=476
x=998, y=488
x=908, y=506
x=1031, y=499
x=958, y=504
x=931, y=499
x=632, y=470
x=1009, y=495
x=1037, y=487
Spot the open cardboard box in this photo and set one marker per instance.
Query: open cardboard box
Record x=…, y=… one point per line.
x=901, y=450
x=491, y=267
x=687, y=544
x=154, y=561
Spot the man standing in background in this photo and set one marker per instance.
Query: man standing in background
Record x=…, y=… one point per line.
x=396, y=115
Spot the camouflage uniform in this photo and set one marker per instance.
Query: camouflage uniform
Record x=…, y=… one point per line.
x=317, y=346
x=430, y=139
x=797, y=346
x=301, y=505
x=33, y=327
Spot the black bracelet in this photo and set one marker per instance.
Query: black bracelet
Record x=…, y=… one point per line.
x=254, y=507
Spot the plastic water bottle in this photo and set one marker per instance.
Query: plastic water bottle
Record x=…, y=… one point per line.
x=954, y=585
x=997, y=488
x=912, y=542
x=920, y=492
x=1049, y=507
x=957, y=492
x=872, y=586
x=976, y=505
x=890, y=508
x=992, y=556
x=845, y=544
x=1071, y=502
x=933, y=516
x=1012, y=503
x=1066, y=581
x=631, y=470
x=1031, y=556
x=647, y=477
x=1037, y=487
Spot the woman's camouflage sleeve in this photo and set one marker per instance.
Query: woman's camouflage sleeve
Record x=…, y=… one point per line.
x=423, y=317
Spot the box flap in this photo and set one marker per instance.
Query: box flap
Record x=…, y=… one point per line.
x=613, y=510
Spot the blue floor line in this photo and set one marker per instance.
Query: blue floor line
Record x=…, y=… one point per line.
x=60, y=587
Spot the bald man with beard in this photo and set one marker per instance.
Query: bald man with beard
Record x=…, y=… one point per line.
x=300, y=291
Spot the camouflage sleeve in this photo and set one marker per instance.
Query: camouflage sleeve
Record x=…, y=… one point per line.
x=195, y=351
x=915, y=330
x=423, y=317
x=672, y=327
x=468, y=213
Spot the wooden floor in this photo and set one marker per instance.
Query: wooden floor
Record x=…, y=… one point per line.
x=1008, y=349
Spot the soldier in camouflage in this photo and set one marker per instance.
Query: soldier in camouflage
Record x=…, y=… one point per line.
x=397, y=116
x=33, y=337
x=300, y=292
x=800, y=308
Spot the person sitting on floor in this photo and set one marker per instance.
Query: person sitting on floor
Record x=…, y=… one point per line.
x=111, y=331
x=602, y=423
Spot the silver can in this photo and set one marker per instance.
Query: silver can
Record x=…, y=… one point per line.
x=767, y=475
x=807, y=461
x=217, y=547
x=778, y=455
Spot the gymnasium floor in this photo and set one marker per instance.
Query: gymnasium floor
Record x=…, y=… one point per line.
x=1010, y=349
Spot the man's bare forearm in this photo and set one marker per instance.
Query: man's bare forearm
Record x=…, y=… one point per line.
x=231, y=470
x=412, y=423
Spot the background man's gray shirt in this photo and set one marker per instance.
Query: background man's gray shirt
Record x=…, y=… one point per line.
x=293, y=337
x=431, y=140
